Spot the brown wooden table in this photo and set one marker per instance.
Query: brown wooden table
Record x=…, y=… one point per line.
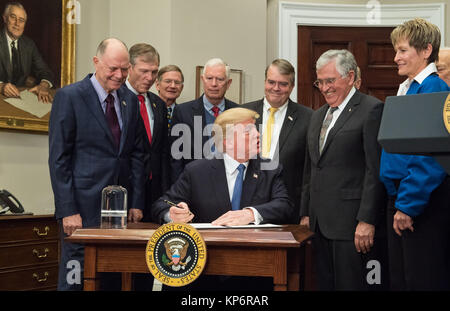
x=274, y=252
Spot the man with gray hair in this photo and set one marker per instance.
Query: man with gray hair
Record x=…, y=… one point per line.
x=443, y=64
x=96, y=139
x=343, y=198
x=20, y=60
x=193, y=120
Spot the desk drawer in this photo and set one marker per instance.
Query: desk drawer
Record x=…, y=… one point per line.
x=19, y=255
x=28, y=230
x=29, y=279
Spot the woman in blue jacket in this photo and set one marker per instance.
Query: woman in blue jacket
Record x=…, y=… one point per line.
x=418, y=187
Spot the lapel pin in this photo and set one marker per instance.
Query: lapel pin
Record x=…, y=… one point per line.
x=290, y=118
x=154, y=105
x=124, y=103
x=349, y=109
x=255, y=176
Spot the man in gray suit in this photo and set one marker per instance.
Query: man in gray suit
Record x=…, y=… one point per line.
x=20, y=58
x=343, y=199
x=284, y=141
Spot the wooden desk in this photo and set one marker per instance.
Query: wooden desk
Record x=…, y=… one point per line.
x=275, y=252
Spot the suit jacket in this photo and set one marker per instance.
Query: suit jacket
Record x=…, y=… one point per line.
x=203, y=186
x=31, y=60
x=185, y=114
x=342, y=187
x=292, y=146
x=157, y=163
x=83, y=157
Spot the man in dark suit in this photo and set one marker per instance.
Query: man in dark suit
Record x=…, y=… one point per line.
x=20, y=58
x=144, y=61
x=284, y=140
x=96, y=139
x=215, y=190
x=343, y=199
x=193, y=120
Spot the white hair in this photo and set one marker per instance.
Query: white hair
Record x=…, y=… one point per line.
x=345, y=61
x=217, y=61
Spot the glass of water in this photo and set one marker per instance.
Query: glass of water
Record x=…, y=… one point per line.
x=114, y=208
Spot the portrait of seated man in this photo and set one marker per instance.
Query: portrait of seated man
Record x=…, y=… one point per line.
x=21, y=64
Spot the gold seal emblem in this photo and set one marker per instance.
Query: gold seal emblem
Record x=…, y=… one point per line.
x=446, y=113
x=176, y=254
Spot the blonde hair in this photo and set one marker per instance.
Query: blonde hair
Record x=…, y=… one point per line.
x=227, y=119
x=419, y=34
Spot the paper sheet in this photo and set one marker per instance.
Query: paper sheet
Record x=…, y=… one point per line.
x=209, y=226
x=29, y=103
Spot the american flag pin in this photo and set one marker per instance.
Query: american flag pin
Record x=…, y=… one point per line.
x=255, y=176
x=124, y=103
x=290, y=118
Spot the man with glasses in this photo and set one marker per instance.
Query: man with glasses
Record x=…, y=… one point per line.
x=283, y=125
x=192, y=121
x=20, y=60
x=169, y=83
x=343, y=198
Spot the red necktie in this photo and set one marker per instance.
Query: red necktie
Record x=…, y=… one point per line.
x=111, y=118
x=215, y=109
x=144, y=115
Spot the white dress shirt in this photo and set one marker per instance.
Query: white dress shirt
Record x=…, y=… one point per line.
x=404, y=87
x=279, y=116
x=338, y=112
x=150, y=114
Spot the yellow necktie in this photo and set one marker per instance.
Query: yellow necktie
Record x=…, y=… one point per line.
x=267, y=139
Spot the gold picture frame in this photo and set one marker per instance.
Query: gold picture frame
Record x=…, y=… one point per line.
x=12, y=118
x=234, y=93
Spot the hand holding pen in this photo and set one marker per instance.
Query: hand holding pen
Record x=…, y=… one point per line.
x=180, y=212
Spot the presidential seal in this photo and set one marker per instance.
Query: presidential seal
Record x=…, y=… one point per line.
x=176, y=254
x=446, y=113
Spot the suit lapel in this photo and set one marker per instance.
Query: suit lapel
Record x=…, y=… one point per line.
x=219, y=181
x=250, y=182
x=90, y=98
x=288, y=123
x=315, y=131
x=125, y=113
x=343, y=117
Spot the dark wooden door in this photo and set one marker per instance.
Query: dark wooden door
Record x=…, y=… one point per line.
x=373, y=52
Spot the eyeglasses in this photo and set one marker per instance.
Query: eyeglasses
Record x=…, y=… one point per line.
x=168, y=81
x=14, y=18
x=327, y=82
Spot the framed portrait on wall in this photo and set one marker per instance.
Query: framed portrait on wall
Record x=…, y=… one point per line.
x=234, y=93
x=49, y=27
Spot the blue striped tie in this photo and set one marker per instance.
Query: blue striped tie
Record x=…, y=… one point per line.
x=237, y=192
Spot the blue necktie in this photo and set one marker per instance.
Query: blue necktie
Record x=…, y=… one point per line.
x=237, y=192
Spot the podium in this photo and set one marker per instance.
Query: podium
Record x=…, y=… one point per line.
x=417, y=124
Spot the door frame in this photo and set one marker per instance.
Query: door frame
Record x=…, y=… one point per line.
x=291, y=15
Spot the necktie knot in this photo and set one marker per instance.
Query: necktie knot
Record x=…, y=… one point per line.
x=13, y=44
x=273, y=110
x=141, y=99
x=215, y=110
x=241, y=168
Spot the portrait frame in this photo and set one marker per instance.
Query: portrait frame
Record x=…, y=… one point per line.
x=15, y=119
x=234, y=93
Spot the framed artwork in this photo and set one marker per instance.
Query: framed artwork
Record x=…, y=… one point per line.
x=234, y=93
x=51, y=28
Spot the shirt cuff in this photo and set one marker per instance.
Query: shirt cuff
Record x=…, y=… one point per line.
x=258, y=217
x=167, y=218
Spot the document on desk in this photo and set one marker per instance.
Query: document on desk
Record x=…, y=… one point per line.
x=207, y=225
x=29, y=102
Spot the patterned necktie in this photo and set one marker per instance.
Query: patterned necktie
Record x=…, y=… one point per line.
x=111, y=118
x=15, y=63
x=267, y=139
x=216, y=110
x=237, y=192
x=144, y=116
x=169, y=116
x=326, y=123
